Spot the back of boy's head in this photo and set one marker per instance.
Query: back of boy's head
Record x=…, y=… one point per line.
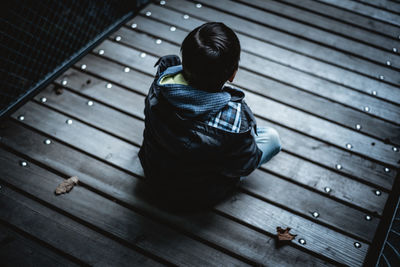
x=210, y=56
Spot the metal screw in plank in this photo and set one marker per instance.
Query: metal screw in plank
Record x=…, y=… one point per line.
x=148, y=13
x=158, y=41
x=172, y=29
x=23, y=163
x=68, y=121
x=43, y=100
x=366, y=109
x=134, y=25
x=185, y=16
x=395, y=149
x=83, y=67
x=47, y=141
x=358, y=126
x=21, y=118
x=118, y=38
x=108, y=85
x=315, y=214
x=357, y=244
x=388, y=63
x=101, y=52
x=198, y=5
x=142, y=55
x=381, y=77
x=302, y=241
x=126, y=69
x=387, y=170
x=162, y=3
x=64, y=82
x=349, y=146
x=374, y=92
x=395, y=49
x=368, y=218
x=90, y=103
x=378, y=193
x=338, y=166
x=327, y=189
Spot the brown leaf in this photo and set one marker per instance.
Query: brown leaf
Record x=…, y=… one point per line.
x=59, y=90
x=66, y=185
x=284, y=235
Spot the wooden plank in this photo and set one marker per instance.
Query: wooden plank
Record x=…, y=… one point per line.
x=328, y=246
x=65, y=234
x=276, y=90
x=303, y=31
x=306, y=170
x=277, y=112
x=287, y=41
x=116, y=220
x=18, y=250
x=324, y=23
x=116, y=183
x=291, y=68
x=365, y=10
x=384, y=4
x=295, y=142
x=347, y=17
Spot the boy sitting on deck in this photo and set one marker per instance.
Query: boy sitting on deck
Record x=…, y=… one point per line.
x=200, y=137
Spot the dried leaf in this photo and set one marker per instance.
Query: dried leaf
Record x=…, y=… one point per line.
x=66, y=185
x=284, y=235
x=59, y=90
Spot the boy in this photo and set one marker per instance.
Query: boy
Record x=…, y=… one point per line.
x=200, y=137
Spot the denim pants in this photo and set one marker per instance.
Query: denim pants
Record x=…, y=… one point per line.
x=268, y=141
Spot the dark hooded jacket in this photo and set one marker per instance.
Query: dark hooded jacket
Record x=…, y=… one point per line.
x=184, y=159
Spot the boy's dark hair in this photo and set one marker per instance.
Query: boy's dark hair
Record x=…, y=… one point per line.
x=210, y=56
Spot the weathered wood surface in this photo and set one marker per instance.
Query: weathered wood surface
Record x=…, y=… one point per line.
x=324, y=60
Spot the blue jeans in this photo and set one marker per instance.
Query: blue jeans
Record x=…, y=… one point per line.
x=268, y=141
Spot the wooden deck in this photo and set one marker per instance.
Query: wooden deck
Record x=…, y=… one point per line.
x=325, y=74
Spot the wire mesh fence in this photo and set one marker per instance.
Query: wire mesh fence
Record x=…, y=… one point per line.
x=40, y=37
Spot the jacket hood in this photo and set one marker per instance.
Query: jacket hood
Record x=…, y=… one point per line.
x=192, y=102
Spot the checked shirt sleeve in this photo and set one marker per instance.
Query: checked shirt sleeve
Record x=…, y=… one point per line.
x=228, y=119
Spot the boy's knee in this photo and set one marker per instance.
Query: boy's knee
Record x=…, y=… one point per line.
x=275, y=139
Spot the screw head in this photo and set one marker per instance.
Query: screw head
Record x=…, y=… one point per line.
x=172, y=28
x=158, y=41
x=185, y=16
x=142, y=55
x=118, y=38
x=378, y=193
x=83, y=67
x=162, y=3
x=302, y=241
x=358, y=126
x=43, y=100
x=47, y=141
x=381, y=77
x=315, y=214
x=101, y=52
x=68, y=121
x=395, y=149
x=108, y=85
x=366, y=109
x=338, y=166
x=327, y=189
x=387, y=170
x=148, y=13
x=90, y=103
x=357, y=244
x=368, y=218
x=388, y=63
x=21, y=118
x=126, y=69
x=133, y=25
x=374, y=92
x=64, y=82
x=198, y=5
x=23, y=163
x=349, y=146
x=395, y=49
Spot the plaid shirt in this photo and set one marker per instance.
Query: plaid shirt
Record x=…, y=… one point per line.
x=228, y=118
